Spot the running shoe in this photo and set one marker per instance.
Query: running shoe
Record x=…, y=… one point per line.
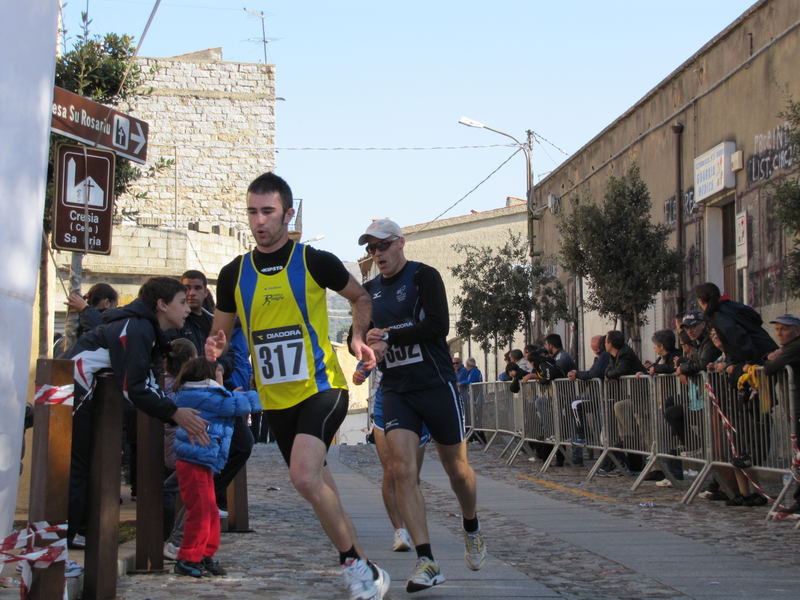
x=78, y=541
x=664, y=483
x=426, y=575
x=475, y=551
x=402, y=541
x=755, y=499
x=360, y=581
x=189, y=568
x=72, y=569
x=579, y=442
x=171, y=551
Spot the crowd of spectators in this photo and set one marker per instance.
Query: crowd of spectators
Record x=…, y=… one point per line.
x=721, y=336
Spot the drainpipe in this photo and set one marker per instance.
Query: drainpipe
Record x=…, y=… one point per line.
x=677, y=129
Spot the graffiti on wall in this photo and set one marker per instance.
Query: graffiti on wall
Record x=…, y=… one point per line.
x=772, y=152
x=766, y=287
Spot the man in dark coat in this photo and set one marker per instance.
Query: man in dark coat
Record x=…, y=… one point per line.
x=787, y=330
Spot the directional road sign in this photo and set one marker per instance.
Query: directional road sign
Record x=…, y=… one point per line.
x=84, y=199
x=99, y=125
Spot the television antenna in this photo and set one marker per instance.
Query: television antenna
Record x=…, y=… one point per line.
x=264, y=39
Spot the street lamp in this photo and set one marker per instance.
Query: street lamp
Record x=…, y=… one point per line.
x=526, y=148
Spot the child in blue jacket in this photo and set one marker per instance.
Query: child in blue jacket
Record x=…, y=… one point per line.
x=199, y=386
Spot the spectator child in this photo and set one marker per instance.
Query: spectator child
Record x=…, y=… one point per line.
x=199, y=386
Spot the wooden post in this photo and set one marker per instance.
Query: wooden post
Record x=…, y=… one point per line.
x=50, y=462
x=150, y=495
x=105, y=479
x=238, y=514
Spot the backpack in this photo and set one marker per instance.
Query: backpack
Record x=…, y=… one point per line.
x=547, y=369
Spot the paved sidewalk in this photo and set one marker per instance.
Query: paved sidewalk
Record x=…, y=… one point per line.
x=549, y=535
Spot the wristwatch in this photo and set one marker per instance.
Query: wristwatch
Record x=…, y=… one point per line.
x=385, y=337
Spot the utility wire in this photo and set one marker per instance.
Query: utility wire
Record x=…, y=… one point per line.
x=464, y=196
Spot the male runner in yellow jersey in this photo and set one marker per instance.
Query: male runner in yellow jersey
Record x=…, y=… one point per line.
x=278, y=292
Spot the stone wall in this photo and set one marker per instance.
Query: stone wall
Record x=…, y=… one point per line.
x=216, y=120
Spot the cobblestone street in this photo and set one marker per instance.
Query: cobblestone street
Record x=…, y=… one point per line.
x=288, y=557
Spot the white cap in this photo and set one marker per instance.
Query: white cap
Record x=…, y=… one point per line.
x=381, y=229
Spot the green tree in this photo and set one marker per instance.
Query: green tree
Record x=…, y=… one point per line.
x=786, y=199
x=501, y=290
x=622, y=254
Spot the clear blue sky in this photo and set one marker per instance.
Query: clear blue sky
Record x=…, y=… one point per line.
x=373, y=73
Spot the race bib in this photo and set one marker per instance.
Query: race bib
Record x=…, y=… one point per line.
x=280, y=355
x=397, y=356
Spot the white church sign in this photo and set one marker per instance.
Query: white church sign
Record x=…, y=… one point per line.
x=83, y=210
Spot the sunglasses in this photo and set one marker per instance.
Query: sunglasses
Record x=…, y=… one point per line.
x=381, y=246
x=455, y=362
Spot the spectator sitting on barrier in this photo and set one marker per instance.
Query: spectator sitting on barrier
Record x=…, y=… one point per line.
x=787, y=330
x=667, y=354
x=125, y=343
x=704, y=351
x=199, y=386
x=503, y=376
x=623, y=362
x=545, y=371
x=521, y=357
x=596, y=371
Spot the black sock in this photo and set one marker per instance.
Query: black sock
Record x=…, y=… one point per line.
x=424, y=550
x=343, y=556
x=471, y=525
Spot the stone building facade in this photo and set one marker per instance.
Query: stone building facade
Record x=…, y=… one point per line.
x=725, y=99
x=215, y=121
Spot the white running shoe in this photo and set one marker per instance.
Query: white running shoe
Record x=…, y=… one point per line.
x=360, y=581
x=78, y=541
x=475, y=552
x=426, y=574
x=402, y=541
x=171, y=551
x=223, y=514
x=72, y=569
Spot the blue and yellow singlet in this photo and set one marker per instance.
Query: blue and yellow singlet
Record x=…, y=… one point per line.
x=286, y=315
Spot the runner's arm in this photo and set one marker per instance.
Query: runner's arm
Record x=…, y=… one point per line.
x=220, y=335
x=362, y=315
x=433, y=297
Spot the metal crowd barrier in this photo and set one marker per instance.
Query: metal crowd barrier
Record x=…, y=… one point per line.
x=657, y=422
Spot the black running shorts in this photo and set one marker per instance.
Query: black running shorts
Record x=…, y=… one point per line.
x=440, y=408
x=319, y=415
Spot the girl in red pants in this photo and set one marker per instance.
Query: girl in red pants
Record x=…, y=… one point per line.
x=199, y=386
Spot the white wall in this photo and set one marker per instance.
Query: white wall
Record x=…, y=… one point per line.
x=27, y=45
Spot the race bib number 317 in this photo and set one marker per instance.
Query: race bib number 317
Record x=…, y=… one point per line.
x=280, y=355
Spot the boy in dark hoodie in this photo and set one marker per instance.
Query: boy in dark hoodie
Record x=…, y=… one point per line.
x=125, y=343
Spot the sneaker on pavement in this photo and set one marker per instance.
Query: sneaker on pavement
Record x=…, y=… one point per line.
x=171, y=551
x=8, y=582
x=223, y=514
x=382, y=582
x=72, y=569
x=213, y=567
x=608, y=473
x=714, y=496
x=189, y=568
x=426, y=574
x=78, y=541
x=755, y=499
x=579, y=442
x=475, y=551
x=402, y=541
x=359, y=579
x=664, y=483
